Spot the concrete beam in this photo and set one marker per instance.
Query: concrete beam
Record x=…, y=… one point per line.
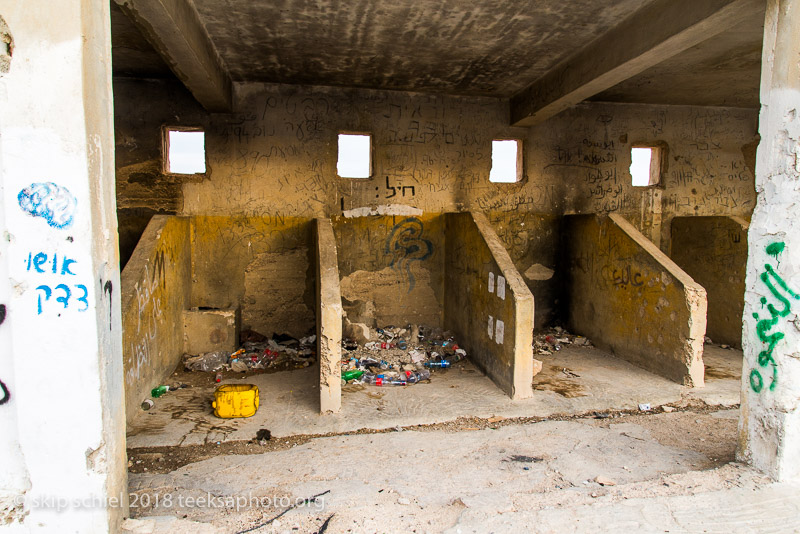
x=646, y=38
x=329, y=319
x=173, y=28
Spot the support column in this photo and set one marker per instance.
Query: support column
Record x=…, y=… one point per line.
x=60, y=343
x=769, y=426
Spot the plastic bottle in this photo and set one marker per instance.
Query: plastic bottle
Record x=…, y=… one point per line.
x=412, y=377
x=441, y=363
x=351, y=374
x=158, y=391
x=382, y=380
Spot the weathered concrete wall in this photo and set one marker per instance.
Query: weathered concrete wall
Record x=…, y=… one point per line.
x=769, y=426
x=628, y=296
x=61, y=398
x=532, y=242
x=156, y=286
x=141, y=108
x=487, y=304
x=392, y=269
x=713, y=251
x=329, y=318
x=264, y=265
x=276, y=156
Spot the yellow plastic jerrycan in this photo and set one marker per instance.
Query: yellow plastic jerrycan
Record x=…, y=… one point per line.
x=235, y=400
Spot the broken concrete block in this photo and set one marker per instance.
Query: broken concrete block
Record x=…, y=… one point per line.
x=537, y=366
x=359, y=332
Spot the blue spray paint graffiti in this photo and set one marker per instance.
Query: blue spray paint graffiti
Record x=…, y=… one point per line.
x=765, y=325
x=54, y=203
x=44, y=263
x=406, y=245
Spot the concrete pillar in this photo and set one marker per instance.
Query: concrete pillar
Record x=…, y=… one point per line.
x=769, y=426
x=62, y=435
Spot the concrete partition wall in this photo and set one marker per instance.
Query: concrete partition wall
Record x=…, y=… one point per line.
x=262, y=265
x=156, y=285
x=329, y=318
x=628, y=297
x=713, y=251
x=487, y=304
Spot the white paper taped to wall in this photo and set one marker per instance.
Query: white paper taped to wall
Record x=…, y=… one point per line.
x=491, y=326
x=499, y=332
x=491, y=282
x=501, y=287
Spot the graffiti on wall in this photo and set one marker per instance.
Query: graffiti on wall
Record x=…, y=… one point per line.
x=766, y=328
x=406, y=245
x=52, y=202
x=6, y=395
x=68, y=295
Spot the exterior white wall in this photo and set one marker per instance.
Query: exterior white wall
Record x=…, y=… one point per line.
x=770, y=422
x=62, y=440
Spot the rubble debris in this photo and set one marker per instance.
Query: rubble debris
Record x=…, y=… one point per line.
x=605, y=481
x=554, y=339
x=257, y=352
x=397, y=356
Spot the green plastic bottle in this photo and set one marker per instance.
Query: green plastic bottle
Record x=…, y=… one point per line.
x=158, y=391
x=351, y=374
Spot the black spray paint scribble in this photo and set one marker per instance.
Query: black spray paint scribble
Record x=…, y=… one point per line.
x=6, y=394
x=108, y=288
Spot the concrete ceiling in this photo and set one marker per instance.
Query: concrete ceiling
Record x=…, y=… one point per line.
x=480, y=47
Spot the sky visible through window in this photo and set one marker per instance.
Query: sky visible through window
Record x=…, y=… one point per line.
x=504, y=161
x=640, y=166
x=187, y=152
x=353, y=156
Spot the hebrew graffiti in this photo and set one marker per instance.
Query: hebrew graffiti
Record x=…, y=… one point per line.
x=52, y=202
x=406, y=245
x=780, y=291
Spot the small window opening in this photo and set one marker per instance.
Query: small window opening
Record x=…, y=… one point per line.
x=506, y=161
x=355, y=159
x=186, y=151
x=645, y=166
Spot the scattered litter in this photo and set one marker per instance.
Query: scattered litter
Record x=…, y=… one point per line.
x=668, y=409
x=605, y=481
x=728, y=347
x=263, y=435
x=570, y=373
x=644, y=407
x=554, y=339
x=707, y=340
x=396, y=356
x=147, y=404
x=599, y=415
x=495, y=419
x=524, y=459
x=257, y=352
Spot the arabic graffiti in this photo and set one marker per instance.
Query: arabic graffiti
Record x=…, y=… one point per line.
x=781, y=292
x=406, y=245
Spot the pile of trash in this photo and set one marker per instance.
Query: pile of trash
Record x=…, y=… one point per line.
x=257, y=352
x=399, y=356
x=555, y=338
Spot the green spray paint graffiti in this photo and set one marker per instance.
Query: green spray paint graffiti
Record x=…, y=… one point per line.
x=771, y=279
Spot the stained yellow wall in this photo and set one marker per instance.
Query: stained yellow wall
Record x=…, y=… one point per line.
x=713, y=251
x=156, y=285
x=628, y=297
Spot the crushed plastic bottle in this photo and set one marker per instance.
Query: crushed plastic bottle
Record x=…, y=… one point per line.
x=382, y=380
x=351, y=374
x=441, y=363
x=158, y=391
x=412, y=377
